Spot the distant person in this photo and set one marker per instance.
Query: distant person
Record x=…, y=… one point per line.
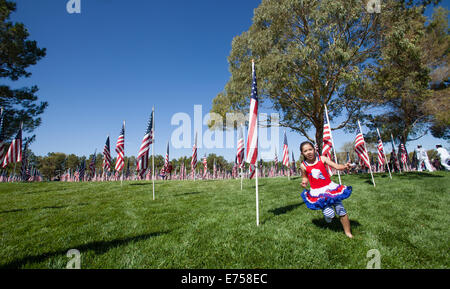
x=422, y=158
x=444, y=156
x=324, y=194
x=436, y=164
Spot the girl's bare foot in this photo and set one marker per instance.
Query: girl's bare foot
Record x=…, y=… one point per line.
x=346, y=225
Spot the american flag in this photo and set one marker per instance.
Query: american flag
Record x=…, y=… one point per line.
x=252, y=136
x=240, y=149
x=92, y=164
x=205, y=166
x=276, y=161
x=3, y=144
x=182, y=171
x=106, y=157
x=82, y=169
x=285, y=152
x=14, y=153
x=142, y=158
x=194, y=157
x=394, y=154
x=294, y=169
x=403, y=155
x=360, y=148
x=166, y=159
x=327, y=145
x=234, y=170
x=252, y=170
x=380, y=152
x=120, y=149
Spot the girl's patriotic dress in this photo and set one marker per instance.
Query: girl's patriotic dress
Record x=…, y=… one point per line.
x=324, y=192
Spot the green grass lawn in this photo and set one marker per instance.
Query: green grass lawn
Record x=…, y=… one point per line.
x=212, y=224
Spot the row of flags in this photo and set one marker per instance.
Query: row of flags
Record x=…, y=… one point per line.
x=14, y=152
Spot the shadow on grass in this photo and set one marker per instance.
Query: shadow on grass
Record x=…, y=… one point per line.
x=408, y=175
x=141, y=184
x=335, y=225
x=281, y=211
x=411, y=175
x=191, y=193
x=285, y=209
x=99, y=247
x=41, y=208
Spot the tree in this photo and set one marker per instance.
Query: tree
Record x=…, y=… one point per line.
x=409, y=51
x=307, y=54
x=17, y=53
x=52, y=165
x=436, y=46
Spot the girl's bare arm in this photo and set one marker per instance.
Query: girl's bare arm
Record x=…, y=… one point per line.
x=332, y=164
x=304, y=176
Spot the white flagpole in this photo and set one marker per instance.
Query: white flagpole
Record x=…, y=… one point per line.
x=153, y=150
x=242, y=161
x=332, y=142
x=256, y=165
x=370, y=166
x=257, y=195
x=385, y=159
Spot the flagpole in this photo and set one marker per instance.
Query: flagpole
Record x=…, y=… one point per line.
x=332, y=142
x=153, y=151
x=370, y=167
x=242, y=161
x=385, y=159
x=257, y=196
x=242, y=177
x=121, y=178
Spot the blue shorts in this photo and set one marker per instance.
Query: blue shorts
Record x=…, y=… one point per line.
x=328, y=212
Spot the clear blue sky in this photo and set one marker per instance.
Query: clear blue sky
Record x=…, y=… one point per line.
x=117, y=59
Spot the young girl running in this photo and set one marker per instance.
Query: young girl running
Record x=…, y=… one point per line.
x=324, y=195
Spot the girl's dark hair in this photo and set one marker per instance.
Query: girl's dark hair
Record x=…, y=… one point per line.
x=305, y=143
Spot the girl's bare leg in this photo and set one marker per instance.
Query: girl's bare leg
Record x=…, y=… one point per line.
x=346, y=225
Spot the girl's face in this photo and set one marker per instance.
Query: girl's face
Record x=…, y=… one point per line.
x=309, y=152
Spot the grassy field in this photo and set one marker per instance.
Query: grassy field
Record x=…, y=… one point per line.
x=212, y=224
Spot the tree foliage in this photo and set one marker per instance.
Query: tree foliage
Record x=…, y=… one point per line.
x=307, y=53
x=403, y=83
x=17, y=53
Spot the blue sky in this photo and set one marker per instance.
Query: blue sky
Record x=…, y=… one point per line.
x=116, y=59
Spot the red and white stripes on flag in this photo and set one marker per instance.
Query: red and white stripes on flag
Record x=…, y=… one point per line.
x=205, y=166
x=240, y=149
x=166, y=159
x=147, y=140
x=251, y=171
x=252, y=136
x=3, y=144
x=14, y=153
x=194, y=156
x=380, y=149
x=107, y=157
x=404, y=155
x=285, y=152
x=360, y=148
x=120, y=149
x=327, y=144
